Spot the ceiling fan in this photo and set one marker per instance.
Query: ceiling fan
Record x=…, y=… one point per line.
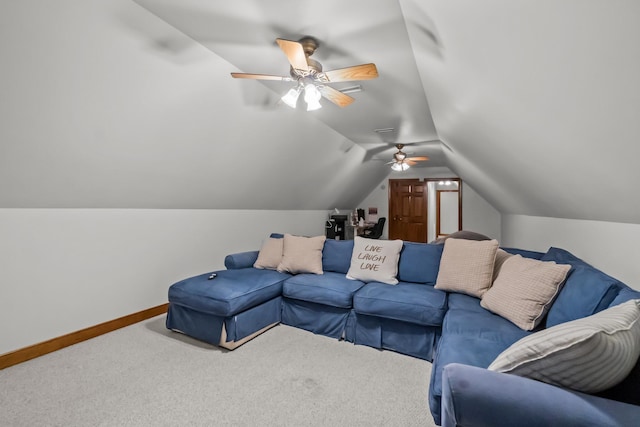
x=309, y=77
x=401, y=162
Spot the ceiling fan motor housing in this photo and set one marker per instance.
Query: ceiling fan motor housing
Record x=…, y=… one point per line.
x=309, y=45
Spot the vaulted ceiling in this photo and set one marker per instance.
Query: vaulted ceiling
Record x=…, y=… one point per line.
x=129, y=104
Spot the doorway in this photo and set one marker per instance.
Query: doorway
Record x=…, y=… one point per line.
x=423, y=210
x=408, y=210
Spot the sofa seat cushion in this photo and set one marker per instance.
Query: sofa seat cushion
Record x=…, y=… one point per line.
x=231, y=292
x=332, y=289
x=408, y=302
x=457, y=301
x=481, y=324
x=471, y=337
x=456, y=348
x=586, y=291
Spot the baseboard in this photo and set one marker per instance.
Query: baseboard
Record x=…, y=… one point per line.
x=49, y=346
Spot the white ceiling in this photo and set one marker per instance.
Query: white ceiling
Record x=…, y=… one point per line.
x=120, y=103
x=350, y=33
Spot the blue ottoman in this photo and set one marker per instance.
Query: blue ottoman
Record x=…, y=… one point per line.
x=229, y=310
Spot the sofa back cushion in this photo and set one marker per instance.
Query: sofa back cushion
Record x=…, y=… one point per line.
x=336, y=255
x=419, y=262
x=525, y=253
x=586, y=291
x=625, y=294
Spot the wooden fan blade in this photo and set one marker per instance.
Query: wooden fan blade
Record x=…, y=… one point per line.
x=418, y=159
x=410, y=162
x=260, y=77
x=335, y=96
x=357, y=72
x=295, y=54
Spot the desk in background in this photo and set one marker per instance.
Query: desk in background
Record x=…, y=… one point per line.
x=357, y=230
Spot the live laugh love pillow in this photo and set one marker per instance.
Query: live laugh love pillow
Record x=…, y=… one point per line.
x=375, y=260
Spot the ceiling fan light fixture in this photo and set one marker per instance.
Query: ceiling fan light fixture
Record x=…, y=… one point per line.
x=291, y=97
x=400, y=166
x=312, y=97
x=313, y=105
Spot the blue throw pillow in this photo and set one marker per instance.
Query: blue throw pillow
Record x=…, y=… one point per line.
x=586, y=291
x=419, y=262
x=336, y=255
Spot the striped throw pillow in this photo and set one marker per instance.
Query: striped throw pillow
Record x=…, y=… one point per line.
x=589, y=354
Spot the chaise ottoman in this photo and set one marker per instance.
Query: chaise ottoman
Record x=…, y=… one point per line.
x=228, y=310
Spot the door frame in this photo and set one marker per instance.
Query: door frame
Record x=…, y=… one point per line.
x=437, y=207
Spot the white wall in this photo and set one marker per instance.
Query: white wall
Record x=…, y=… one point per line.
x=477, y=214
x=104, y=105
x=611, y=247
x=66, y=269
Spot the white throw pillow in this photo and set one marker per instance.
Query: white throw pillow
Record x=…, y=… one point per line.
x=302, y=254
x=270, y=254
x=375, y=260
x=467, y=266
x=524, y=290
x=589, y=354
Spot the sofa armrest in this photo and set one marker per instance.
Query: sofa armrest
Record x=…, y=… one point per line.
x=476, y=397
x=240, y=260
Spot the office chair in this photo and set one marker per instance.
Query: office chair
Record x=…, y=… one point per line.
x=376, y=231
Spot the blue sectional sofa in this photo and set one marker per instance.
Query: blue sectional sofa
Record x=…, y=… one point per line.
x=450, y=329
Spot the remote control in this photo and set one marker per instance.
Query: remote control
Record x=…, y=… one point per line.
x=213, y=276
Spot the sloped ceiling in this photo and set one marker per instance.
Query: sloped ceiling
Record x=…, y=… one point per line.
x=538, y=101
x=116, y=103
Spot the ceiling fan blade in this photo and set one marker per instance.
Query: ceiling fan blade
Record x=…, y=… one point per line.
x=335, y=96
x=418, y=159
x=260, y=77
x=295, y=54
x=357, y=72
x=410, y=162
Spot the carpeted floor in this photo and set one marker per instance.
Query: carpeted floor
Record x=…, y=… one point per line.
x=144, y=375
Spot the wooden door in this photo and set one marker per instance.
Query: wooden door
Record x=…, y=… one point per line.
x=408, y=210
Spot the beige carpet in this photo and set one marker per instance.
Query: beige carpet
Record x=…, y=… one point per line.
x=144, y=375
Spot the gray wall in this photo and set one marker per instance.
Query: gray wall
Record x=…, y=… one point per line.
x=67, y=269
x=611, y=247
